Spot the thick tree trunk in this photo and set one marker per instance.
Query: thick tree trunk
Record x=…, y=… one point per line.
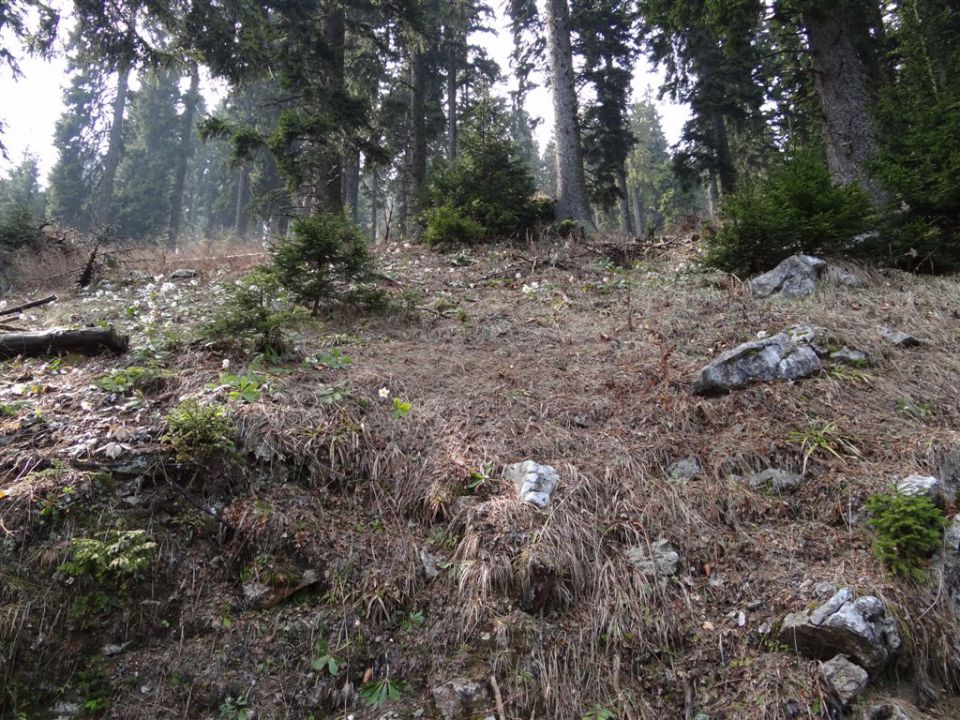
x=111, y=161
x=351, y=183
x=328, y=185
x=88, y=341
x=190, y=101
x=626, y=221
x=418, y=126
x=572, y=200
x=639, y=212
x=840, y=81
x=453, y=69
x=726, y=172
x=374, y=200
x=713, y=197
x=240, y=214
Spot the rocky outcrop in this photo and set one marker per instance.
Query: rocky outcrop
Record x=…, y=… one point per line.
x=860, y=628
x=925, y=485
x=533, y=482
x=794, y=277
x=947, y=560
x=897, y=337
x=788, y=355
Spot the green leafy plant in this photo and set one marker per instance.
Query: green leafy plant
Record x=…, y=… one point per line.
x=200, y=433
x=379, y=692
x=132, y=378
x=331, y=359
x=323, y=253
x=120, y=555
x=326, y=662
x=825, y=438
x=235, y=708
x=401, y=408
x=599, y=713
x=246, y=387
x=908, y=528
x=413, y=621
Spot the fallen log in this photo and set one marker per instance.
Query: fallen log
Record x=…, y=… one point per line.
x=86, y=341
x=26, y=306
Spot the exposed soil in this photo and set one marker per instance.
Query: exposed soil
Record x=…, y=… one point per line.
x=288, y=581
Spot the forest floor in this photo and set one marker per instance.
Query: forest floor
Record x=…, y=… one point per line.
x=361, y=548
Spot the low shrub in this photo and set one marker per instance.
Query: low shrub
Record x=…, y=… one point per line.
x=200, y=433
x=908, y=528
x=323, y=253
x=796, y=208
x=446, y=226
x=258, y=310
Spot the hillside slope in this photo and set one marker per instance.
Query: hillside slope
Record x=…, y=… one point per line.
x=361, y=543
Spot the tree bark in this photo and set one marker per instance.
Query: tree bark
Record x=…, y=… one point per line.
x=190, y=102
x=87, y=341
x=726, y=172
x=240, y=215
x=328, y=186
x=572, y=200
x=626, y=221
x=638, y=211
x=418, y=126
x=453, y=69
x=840, y=80
x=374, y=200
x=102, y=212
x=351, y=183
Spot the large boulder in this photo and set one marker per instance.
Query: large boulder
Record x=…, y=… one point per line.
x=788, y=355
x=533, y=482
x=794, y=277
x=858, y=627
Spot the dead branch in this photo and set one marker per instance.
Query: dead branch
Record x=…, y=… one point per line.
x=26, y=306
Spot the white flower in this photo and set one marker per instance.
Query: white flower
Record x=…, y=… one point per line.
x=384, y=393
x=761, y=334
x=225, y=364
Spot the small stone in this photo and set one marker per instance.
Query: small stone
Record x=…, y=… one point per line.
x=774, y=479
x=459, y=699
x=896, y=337
x=67, y=708
x=183, y=274
x=849, y=356
x=886, y=712
x=824, y=589
x=660, y=560
x=253, y=591
x=925, y=485
x=686, y=469
x=533, y=482
x=431, y=563
x=845, y=678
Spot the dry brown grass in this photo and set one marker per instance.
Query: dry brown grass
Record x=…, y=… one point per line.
x=575, y=375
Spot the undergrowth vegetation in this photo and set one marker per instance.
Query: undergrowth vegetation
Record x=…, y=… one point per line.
x=908, y=528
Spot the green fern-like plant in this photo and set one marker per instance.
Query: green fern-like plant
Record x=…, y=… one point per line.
x=908, y=528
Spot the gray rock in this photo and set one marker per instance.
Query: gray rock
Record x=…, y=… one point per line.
x=533, y=482
x=773, y=358
x=68, y=709
x=794, y=277
x=686, y=469
x=774, y=479
x=887, y=711
x=431, y=563
x=896, y=337
x=659, y=560
x=859, y=628
x=254, y=591
x=183, y=274
x=845, y=275
x=459, y=699
x=845, y=678
x=947, y=561
x=924, y=485
x=849, y=356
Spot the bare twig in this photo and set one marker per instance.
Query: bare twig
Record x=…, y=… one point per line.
x=26, y=306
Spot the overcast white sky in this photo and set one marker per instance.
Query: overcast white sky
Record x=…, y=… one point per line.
x=30, y=106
